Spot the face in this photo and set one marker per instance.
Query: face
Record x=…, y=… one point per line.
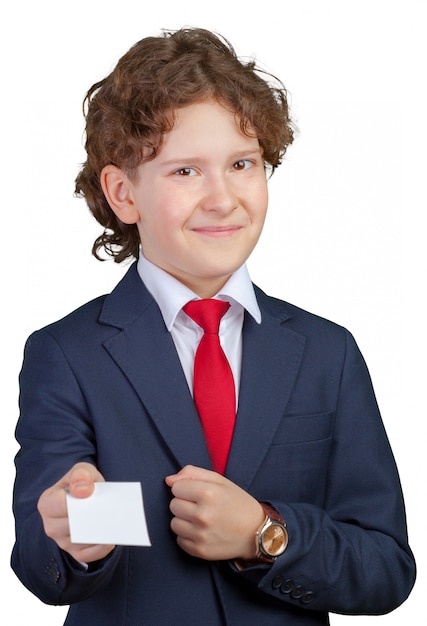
x=201, y=203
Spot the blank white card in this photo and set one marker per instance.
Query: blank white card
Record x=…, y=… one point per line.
x=113, y=514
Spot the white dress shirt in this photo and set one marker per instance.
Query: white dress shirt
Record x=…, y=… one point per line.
x=171, y=295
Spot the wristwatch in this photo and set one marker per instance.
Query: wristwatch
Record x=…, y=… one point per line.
x=271, y=540
x=272, y=537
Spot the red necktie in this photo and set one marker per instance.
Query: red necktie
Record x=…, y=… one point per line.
x=214, y=391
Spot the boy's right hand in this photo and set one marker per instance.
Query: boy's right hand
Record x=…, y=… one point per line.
x=52, y=506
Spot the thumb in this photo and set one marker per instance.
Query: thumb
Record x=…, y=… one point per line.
x=194, y=473
x=81, y=479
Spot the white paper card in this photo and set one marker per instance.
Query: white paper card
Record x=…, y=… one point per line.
x=113, y=514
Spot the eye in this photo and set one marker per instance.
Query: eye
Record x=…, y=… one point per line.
x=243, y=164
x=185, y=171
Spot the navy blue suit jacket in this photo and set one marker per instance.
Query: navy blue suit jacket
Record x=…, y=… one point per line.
x=105, y=385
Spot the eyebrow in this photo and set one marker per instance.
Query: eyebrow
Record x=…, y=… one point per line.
x=237, y=154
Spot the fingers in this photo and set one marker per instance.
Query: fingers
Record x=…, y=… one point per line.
x=52, y=506
x=213, y=517
x=194, y=473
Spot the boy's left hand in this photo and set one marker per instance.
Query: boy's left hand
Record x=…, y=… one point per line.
x=214, y=519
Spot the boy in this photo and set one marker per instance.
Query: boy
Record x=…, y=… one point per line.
x=278, y=514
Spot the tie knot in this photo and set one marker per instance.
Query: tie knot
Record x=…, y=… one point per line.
x=207, y=313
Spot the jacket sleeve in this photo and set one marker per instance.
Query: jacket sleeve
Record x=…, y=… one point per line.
x=350, y=556
x=54, y=433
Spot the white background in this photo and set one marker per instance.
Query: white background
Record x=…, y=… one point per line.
x=344, y=237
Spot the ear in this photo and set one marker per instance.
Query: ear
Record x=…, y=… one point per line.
x=117, y=189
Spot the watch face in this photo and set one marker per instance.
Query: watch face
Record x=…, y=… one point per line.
x=274, y=539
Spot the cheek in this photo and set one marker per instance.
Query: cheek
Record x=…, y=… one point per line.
x=156, y=213
x=260, y=204
x=174, y=208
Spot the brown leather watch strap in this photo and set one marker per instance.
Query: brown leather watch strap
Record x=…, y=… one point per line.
x=272, y=513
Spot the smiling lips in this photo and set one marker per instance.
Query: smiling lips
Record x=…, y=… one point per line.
x=217, y=231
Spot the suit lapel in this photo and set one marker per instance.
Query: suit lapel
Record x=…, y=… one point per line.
x=271, y=358
x=145, y=352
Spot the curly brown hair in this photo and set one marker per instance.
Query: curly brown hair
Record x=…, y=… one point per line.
x=129, y=111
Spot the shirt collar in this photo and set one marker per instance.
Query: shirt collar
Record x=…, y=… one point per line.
x=171, y=295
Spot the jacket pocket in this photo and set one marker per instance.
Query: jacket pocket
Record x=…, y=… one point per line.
x=304, y=428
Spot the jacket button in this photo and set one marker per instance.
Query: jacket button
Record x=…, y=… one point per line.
x=52, y=570
x=277, y=581
x=308, y=597
x=297, y=592
x=287, y=586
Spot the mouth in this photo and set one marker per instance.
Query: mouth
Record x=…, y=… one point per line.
x=218, y=231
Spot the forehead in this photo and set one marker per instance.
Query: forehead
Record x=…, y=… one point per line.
x=208, y=122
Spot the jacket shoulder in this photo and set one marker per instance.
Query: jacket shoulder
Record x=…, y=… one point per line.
x=87, y=313
x=116, y=309
x=296, y=317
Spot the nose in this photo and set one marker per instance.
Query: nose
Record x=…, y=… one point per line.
x=219, y=194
